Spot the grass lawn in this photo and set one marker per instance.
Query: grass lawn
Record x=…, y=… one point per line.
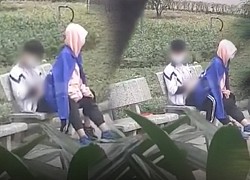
x=26, y=20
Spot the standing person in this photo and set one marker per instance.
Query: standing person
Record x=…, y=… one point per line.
x=213, y=94
x=177, y=74
x=26, y=79
x=66, y=89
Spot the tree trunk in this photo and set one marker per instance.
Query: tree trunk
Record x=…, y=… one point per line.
x=158, y=10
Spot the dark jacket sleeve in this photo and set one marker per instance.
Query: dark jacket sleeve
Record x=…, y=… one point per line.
x=82, y=74
x=227, y=80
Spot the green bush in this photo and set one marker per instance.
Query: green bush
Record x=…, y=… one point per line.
x=18, y=28
x=150, y=42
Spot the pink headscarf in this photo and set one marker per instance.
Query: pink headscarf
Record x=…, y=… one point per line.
x=226, y=51
x=75, y=36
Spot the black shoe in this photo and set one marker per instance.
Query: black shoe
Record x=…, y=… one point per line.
x=90, y=132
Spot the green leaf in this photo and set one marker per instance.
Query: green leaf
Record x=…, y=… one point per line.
x=115, y=166
x=228, y=156
x=184, y=128
x=145, y=169
x=63, y=140
x=185, y=137
x=201, y=123
x=24, y=149
x=175, y=162
x=49, y=156
x=196, y=157
x=14, y=166
x=85, y=158
x=45, y=171
x=169, y=128
x=163, y=173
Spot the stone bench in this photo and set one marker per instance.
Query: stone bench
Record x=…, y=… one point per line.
x=196, y=70
x=33, y=117
x=131, y=93
x=8, y=130
x=122, y=94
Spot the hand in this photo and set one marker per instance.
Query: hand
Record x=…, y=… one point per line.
x=190, y=85
x=226, y=93
x=39, y=92
x=88, y=93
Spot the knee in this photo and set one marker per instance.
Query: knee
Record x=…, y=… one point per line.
x=232, y=96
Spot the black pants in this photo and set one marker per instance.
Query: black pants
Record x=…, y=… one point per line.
x=231, y=108
x=88, y=105
x=42, y=106
x=90, y=109
x=209, y=106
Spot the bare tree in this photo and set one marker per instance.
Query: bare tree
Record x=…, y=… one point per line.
x=160, y=6
x=246, y=8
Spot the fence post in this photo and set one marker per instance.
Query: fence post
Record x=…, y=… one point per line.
x=88, y=6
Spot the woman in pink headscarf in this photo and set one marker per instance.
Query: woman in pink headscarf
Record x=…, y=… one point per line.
x=66, y=89
x=213, y=94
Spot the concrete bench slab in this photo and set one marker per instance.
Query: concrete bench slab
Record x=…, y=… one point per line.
x=31, y=115
x=132, y=93
x=128, y=124
x=7, y=130
x=12, y=128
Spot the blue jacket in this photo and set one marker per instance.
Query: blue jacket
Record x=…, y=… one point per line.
x=209, y=84
x=56, y=83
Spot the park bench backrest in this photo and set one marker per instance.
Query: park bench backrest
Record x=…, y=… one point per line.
x=196, y=70
x=127, y=93
x=6, y=86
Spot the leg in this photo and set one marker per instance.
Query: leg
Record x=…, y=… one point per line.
x=232, y=110
x=91, y=110
x=42, y=106
x=75, y=120
x=209, y=107
x=89, y=130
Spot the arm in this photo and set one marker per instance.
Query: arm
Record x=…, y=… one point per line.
x=18, y=86
x=171, y=84
x=82, y=74
x=20, y=89
x=60, y=73
x=227, y=81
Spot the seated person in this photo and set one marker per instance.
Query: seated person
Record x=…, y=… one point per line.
x=177, y=74
x=212, y=93
x=66, y=89
x=25, y=79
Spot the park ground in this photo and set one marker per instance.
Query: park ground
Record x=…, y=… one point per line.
x=145, y=55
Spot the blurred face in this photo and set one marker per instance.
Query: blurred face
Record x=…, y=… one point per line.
x=178, y=57
x=30, y=60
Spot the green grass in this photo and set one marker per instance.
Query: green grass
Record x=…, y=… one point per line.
x=22, y=21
